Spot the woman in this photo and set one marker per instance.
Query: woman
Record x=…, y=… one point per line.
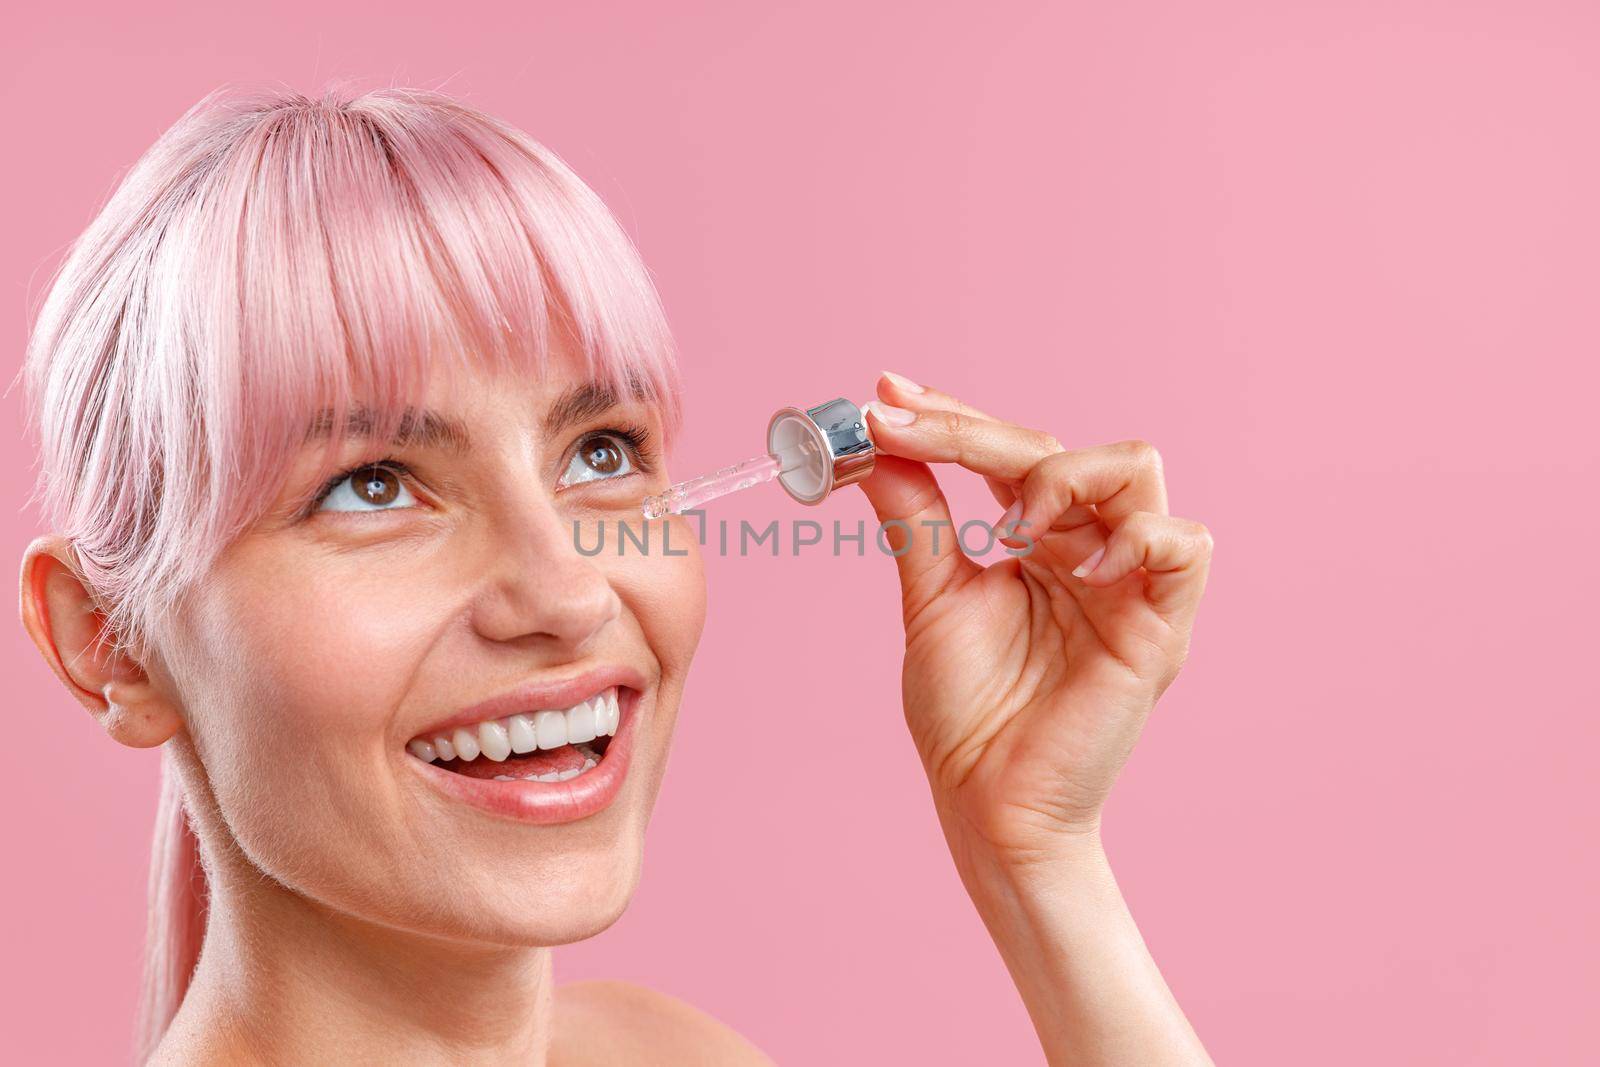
x=324, y=394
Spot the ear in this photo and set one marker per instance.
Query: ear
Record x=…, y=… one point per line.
x=61, y=616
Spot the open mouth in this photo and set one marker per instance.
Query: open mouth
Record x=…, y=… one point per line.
x=532, y=746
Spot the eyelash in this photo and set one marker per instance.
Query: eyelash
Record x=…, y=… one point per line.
x=637, y=438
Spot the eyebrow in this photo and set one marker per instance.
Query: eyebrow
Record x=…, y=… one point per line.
x=425, y=428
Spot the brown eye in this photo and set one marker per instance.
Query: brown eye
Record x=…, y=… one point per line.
x=371, y=488
x=376, y=485
x=603, y=457
x=598, y=457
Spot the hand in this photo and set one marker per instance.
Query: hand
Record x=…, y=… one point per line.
x=1027, y=683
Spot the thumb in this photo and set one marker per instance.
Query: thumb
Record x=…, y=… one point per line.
x=914, y=518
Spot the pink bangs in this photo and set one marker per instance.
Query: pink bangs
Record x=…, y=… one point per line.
x=273, y=256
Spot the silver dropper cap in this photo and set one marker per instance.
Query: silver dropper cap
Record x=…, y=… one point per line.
x=822, y=448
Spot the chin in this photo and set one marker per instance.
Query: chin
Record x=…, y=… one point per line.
x=554, y=898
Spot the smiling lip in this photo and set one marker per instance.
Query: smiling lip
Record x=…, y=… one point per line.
x=538, y=696
x=548, y=803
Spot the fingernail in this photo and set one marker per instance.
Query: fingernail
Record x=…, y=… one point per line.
x=1013, y=513
x=903, y=382
x=1082, y=570
x=892, y=415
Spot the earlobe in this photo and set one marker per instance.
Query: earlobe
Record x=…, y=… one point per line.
x=65, y=623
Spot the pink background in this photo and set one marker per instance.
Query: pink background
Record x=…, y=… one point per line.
x=1338, y=261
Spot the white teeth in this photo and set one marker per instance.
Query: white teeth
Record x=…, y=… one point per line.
x=466, y=742
x=524, y=732
x=552, y=728
x=520, y=729
x=580, y=722
x=553, y=776
x=493, y=740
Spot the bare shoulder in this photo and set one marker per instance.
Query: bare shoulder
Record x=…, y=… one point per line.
x=600, y=1023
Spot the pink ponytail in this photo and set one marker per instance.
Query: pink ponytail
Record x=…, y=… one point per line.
x=177, y=921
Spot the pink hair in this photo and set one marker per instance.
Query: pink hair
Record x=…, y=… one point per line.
x=270, y=256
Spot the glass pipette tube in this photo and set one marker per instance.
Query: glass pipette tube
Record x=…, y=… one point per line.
x=688, y=495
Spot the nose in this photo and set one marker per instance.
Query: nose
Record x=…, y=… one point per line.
x=541, y=589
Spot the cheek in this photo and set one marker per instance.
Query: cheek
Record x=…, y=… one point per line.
x=330, y=657
x=667, y=594
x=304, y=674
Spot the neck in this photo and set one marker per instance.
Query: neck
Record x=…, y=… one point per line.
x=285, y=979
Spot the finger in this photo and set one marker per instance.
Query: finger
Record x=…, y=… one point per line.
x=984, y=446
x=1116, y=480
x=1011, y=531
x=1061, y=551
x=915, y=519
x=1175, y=553
x=902, y=392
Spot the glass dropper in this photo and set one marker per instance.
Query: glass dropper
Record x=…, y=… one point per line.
x=811, y=451
x=685, y=496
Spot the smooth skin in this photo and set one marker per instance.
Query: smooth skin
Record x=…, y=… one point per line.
x=1025, y=689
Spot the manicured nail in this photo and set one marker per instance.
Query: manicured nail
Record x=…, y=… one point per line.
x=1013, y=513
x=903, y=382
x=892, y=415
x=1082, y=570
